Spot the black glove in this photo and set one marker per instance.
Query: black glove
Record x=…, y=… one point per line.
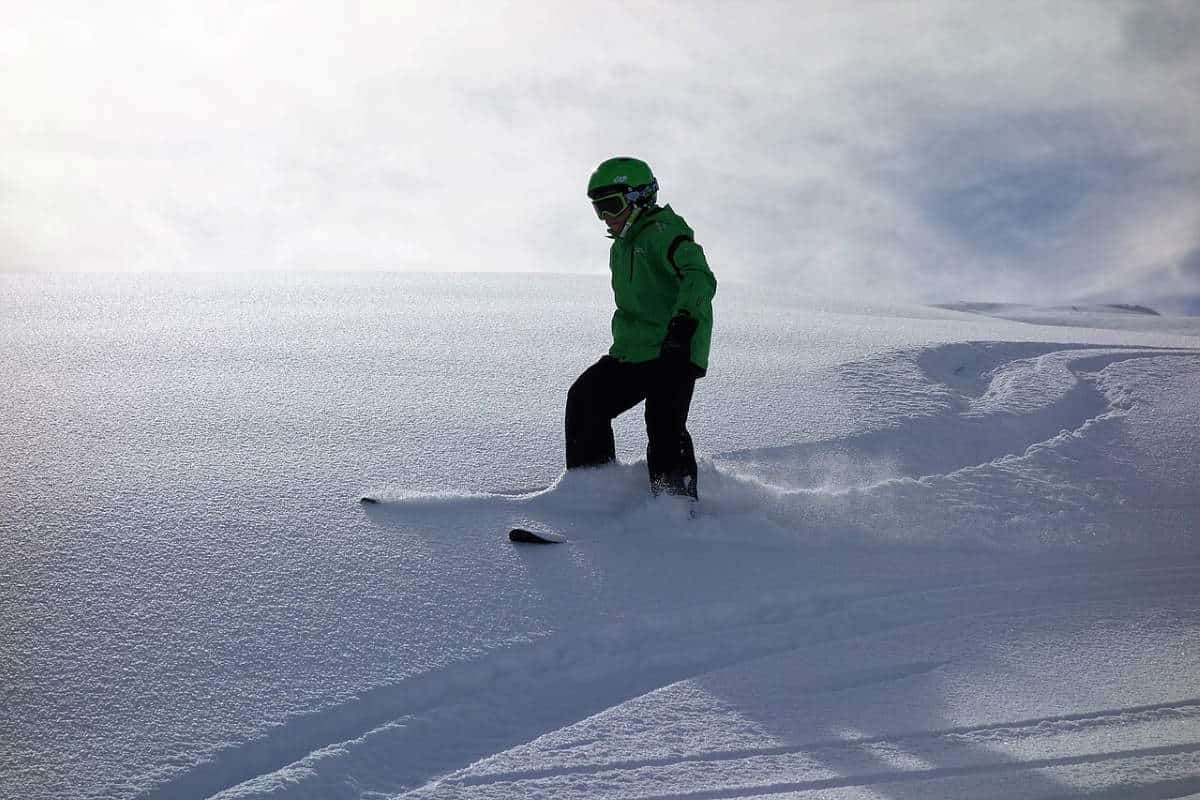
x=677, y=346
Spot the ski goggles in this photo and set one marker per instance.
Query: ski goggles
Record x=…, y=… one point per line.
x=611, y=201
x=610, y=205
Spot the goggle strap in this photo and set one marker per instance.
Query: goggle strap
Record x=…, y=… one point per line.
x=631, y=196
x=649, y=190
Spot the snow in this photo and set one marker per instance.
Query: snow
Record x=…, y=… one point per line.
x=942, y=552
x=1119, y=316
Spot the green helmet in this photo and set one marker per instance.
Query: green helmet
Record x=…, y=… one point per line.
x=630, y=177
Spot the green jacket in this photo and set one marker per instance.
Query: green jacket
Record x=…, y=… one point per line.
x=658, y=271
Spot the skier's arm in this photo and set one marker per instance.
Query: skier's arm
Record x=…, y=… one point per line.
x=697, y=284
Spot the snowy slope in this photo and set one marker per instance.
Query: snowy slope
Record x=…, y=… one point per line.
x=1130, y=317
x=939, y=555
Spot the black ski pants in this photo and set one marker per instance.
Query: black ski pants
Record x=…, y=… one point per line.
x=608, y=389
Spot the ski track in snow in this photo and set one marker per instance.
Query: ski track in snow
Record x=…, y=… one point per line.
x=954, y=750
x=1187, y=711
x=996, y=400
x=485, y=705
x=1001, y=403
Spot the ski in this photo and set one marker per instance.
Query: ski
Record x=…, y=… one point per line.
x=526, y=536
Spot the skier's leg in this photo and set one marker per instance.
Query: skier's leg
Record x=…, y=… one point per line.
x=604, y=391
x=669, y=455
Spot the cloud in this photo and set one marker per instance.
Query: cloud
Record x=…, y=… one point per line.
x=1189, y=266
x=1007, y=184
x=1164, y=32
x=930, y=151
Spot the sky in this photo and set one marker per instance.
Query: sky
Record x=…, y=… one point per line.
x=923, y=151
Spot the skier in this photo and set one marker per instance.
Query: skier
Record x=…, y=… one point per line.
x=661, y=331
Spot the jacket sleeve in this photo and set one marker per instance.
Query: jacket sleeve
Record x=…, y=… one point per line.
x=697, y=284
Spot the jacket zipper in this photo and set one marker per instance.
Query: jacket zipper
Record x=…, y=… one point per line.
x=631, y=247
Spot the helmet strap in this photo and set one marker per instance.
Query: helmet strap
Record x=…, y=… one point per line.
x=637, y=212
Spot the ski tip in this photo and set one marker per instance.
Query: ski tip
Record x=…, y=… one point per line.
x=368, y=501
x=526, y=536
